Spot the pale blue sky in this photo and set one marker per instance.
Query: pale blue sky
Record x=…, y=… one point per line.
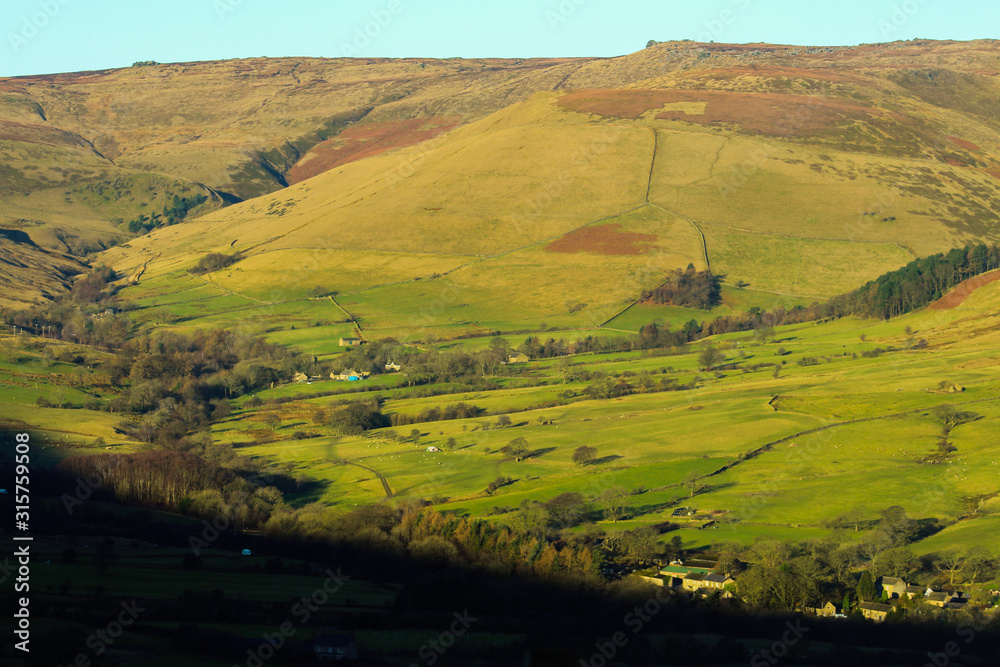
x=44, y=36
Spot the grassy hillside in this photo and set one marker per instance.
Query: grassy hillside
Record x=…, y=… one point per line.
x=562, y=209
x=845, y=427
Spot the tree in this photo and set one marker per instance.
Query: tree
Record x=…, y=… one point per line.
x=222, y=410
x=498, y=483
x=951, y=562
x=516, y=448
x=567, y=509
x=641, y=544
x=358, y=417
x=710, y=357
x=769, y=553
x=950, y=417
x=614, y=500
x=896, y=525
x=763, y=333
x=866, y=587
x=693, y=482
x=503, y=421
x=872, y=547
x=977, y=561
x=584, y=454
x=898, y=562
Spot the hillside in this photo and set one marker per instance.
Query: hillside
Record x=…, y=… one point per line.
x=802, y=172
x=394, y=170
x=32, y=272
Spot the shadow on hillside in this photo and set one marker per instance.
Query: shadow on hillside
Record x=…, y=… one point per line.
x=311, y=491
x=604, y=459
x=539, y=452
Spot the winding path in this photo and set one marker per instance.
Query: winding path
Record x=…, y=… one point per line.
x=381, y=477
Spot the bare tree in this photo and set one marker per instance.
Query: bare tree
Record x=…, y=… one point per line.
x=951, y=562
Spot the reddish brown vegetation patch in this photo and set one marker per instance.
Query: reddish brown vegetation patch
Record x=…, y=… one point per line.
x=765, y=113
x=37, y=134
x=769, y=113
x=603, y=240
x=616, y=103
x=962, y=143
x=958, y=295
x=995, y=173
x=361, y=141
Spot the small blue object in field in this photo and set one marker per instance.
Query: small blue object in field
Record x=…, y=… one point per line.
x=246, y=552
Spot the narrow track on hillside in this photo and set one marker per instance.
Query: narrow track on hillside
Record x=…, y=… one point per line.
x=350, y=318
x=381, y=477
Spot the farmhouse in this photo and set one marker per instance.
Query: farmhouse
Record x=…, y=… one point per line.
x=937, y=598
x=392, y=367
x=829, y=610
x=692, y=582
x=349, y=375
x=350, y=342
x=301, y=377
x=893, y=586
x=718, y=581
x=519, y=358
x=875, y=611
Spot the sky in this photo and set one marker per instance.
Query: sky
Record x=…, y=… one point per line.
x=47, y=36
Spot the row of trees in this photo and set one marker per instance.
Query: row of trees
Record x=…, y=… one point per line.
x=914, y=286
x=917, y=284
x=458, y=410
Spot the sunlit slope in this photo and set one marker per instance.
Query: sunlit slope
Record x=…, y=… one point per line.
x=558, y=209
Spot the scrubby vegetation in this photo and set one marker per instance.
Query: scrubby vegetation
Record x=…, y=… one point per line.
x=172, y=213
x=691, y=288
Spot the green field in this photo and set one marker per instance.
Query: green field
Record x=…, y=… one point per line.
x=782, y=456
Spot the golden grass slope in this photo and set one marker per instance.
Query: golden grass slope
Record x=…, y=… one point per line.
x=503, y=210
